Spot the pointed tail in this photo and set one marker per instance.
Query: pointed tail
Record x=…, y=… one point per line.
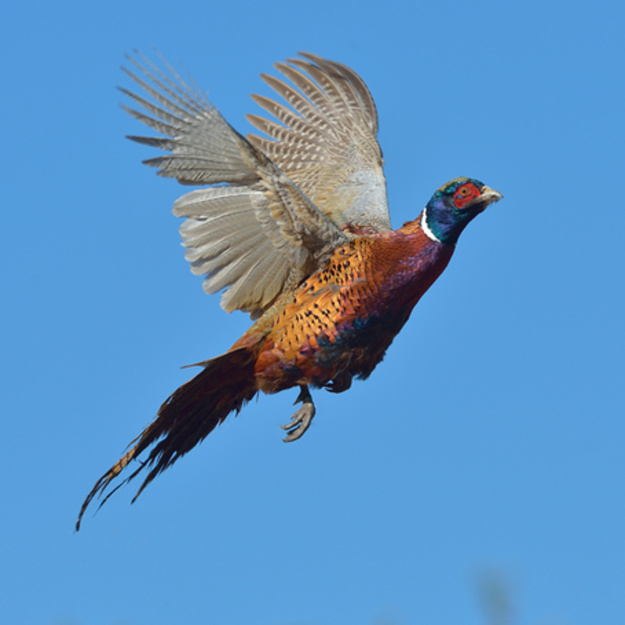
x=188, y=416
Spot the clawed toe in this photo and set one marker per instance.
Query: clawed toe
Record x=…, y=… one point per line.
x=302, y=418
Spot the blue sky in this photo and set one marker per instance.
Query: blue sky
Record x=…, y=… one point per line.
x=487, y=449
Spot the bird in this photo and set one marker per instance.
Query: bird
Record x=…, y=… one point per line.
x=293, y=227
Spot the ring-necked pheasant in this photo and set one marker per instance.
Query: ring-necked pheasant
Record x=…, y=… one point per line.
x=296, y=229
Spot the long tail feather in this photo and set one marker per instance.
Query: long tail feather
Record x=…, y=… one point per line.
x=188, y=416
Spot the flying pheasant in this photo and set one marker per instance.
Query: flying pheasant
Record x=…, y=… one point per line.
x=295, y=228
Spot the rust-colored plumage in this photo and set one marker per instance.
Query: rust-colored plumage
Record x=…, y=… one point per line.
x=298, y=233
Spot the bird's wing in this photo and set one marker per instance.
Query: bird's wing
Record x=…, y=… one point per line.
x=326, y=142
x=253, y=232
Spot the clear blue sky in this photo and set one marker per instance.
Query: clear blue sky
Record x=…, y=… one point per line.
x=489, y=444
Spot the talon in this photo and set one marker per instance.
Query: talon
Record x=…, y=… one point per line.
x=302, y=418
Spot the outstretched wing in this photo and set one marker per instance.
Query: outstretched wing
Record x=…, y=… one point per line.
x=253, y=232
x=326, y=141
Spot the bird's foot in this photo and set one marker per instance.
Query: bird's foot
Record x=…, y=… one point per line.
x=302, y=418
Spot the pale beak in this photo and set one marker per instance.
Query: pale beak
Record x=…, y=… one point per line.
x=489, y=195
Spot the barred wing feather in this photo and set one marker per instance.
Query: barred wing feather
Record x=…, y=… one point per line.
x=254, y=233
x=325, y=141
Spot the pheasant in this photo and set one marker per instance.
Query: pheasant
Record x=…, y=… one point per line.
x=295, y=227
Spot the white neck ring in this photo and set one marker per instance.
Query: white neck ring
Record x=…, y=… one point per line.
x=424, y=226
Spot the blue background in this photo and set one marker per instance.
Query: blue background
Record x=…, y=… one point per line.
x=478, y=474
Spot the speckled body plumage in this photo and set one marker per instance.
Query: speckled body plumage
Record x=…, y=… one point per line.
x=296, y=229
x=340, y=321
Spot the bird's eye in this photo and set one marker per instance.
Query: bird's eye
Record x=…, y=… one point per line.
x=465, y=194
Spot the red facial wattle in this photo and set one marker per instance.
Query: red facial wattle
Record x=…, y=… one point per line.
x=465, y=194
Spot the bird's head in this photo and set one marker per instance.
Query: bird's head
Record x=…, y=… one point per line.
x=453, y=206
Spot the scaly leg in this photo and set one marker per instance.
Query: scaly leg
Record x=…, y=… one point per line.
x=302, y=418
